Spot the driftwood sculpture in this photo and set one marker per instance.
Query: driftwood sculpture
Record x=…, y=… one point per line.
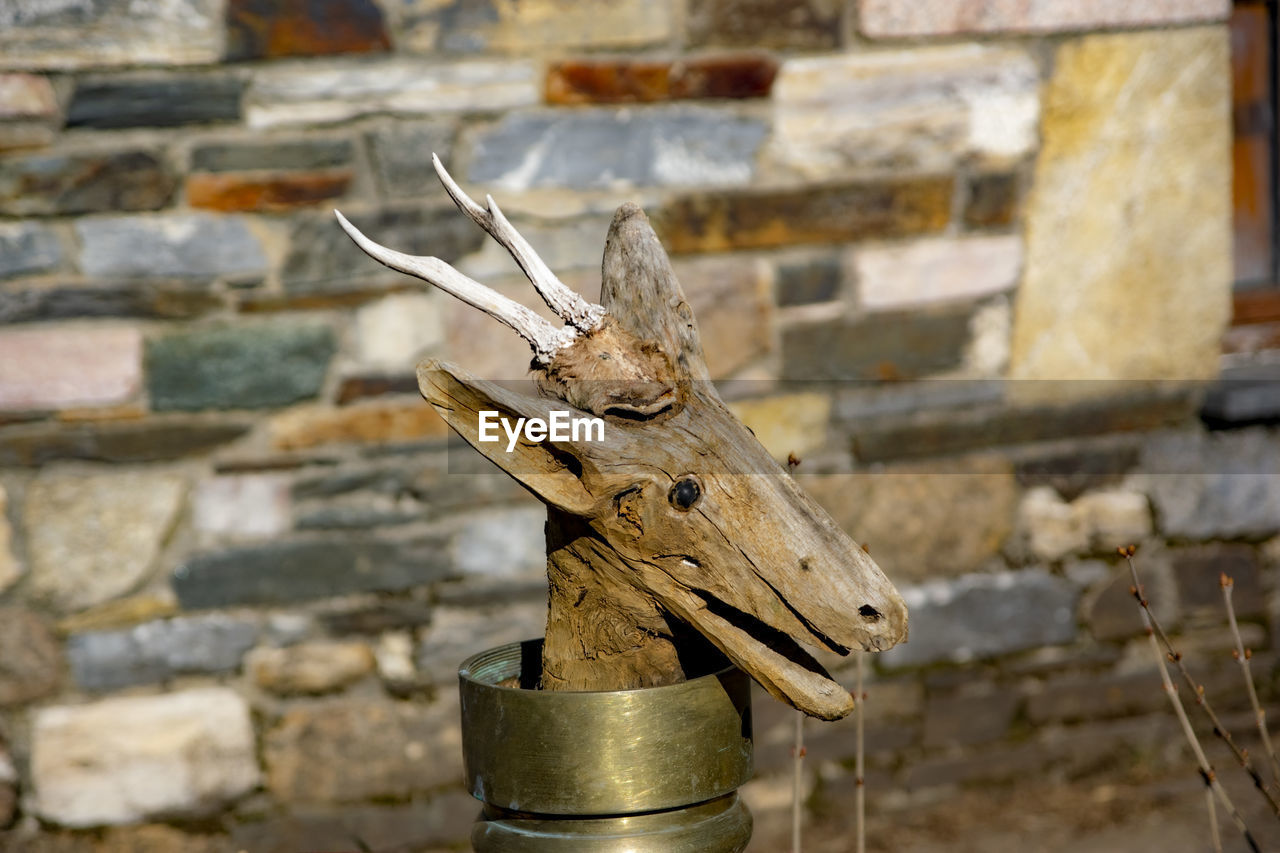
x=676, y=518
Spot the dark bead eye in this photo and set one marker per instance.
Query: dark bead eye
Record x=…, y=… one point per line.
x=685, y=493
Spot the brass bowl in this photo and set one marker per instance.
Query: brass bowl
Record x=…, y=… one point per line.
x=608, y=753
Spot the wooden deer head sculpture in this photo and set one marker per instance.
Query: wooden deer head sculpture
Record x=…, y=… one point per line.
x=676, y=517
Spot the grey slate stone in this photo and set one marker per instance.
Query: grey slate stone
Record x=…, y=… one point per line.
x=981, y=616
x=289, y=572
x=1220, y=485
x=179, y=246
x=402, y=156
x=165, y=102
x=886, y=346
x=586, y=149
x=155, y=651
x=27, y=248
x=808, y=281
x=91, y=182
x=132, y=300
x=294, y=154
x=242, y=367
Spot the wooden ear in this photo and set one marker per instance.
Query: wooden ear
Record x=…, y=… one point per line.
x=640, y=291
x=475, y=409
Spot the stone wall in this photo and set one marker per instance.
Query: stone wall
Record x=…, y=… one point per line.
x=238, y=563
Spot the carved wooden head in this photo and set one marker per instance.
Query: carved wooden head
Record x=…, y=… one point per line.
x=676, y=515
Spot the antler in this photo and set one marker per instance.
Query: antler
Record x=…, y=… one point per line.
x=582, y=316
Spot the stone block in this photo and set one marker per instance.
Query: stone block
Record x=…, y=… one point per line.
x=502, y=543
x=283, y=155
x=28, y=248
x=890, y=346
x=379, y=617
x=832, y=213
x=1220, y=485
x=249, y=366
x=1051, y=525
x=926, y=109
x=11, y=569
x=984, y=616
x=305, y=570
x=786, y=423
x=903, y=276
x=170, y=101
x=992, y=200
x=344, y=751
x=457, y=633
x=273, y=29
x=149, y=440
x=95, y=535
x=920, y=521
x=439, y=823
x=803, y=282
x=397, y=331
x=792, y=24
x=969, y=719
x=32, y=658
x=309, y=668
x=321, y=258
x=53, y=367
x=1076, y=470
x=1198, y=571
x=27, y=96
x=242, y=506
x=191, y=245
x=405, y=87
x=1114, y=518
x=401, y=155
x=1107, y=695
x=590, y=149
x=98, y=33
x=1152, y=261
x=620, y=81
x=230, y=192
x=915, y=18
x=361, y=386
x=372, y=422
x=535, y=26
x=150, y=300
x=159, y=650
x=1112, y=612
x=731, y=301
x=182, y=754
x=89, y=182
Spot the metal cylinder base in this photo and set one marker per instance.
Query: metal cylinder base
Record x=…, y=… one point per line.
x=652, y=769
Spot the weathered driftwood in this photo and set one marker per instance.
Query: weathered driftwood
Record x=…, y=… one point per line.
x=678, y=518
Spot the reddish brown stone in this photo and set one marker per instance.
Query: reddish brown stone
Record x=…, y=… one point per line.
x=230, y=192
x=269, y=29
x=354, y=388
x=992, y=200
x=612, y=81
x=838, y=213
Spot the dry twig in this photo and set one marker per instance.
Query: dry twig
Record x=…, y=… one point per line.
x=1242, y=655
x=1206, y=770
x=797, y=791
x=860, y=788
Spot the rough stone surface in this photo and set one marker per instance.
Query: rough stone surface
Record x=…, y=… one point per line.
x=59, y=184
x=10, y=567
x=25, y=96
x=241, y=367
x=1074, y=471
x=923, y=521
x=402, y=152
x=385, y=615
x=277, y=155
x=319, y=667
x=925, y=109
x=185, y=753
x=992, y=199
x=1053, y=528
x=730, y=299
x=982, y=616
x=1114, y=517
x=170, y=101
x=27, y=248
x=312, y=95
x=150, y=440
x=242, y=505
x=59, y=367
x=177, y=246
x=965, y=720
x=456, y=633
x=317, y=261
x=786, y=423
x=1152, y=261
x=618, y=81
x=152, y=300
x=395, y=332
x=532, y=26
x=156, y=651
x=831, y=213
x=60, y=36
x=1198, y=572
x=289, y=572
x=1213, y=485
x=372, y=422
x=887, y=346
x=796, y=24
x=910, y=275
x=93, y=535
x=361, y=749
x=808, y=281
x=265, y=192
x=440, y=823
x=30, y=660
x=676, y=146
x=911, y=18
x=272, y=29
x=1112, y=613
x=502, y=543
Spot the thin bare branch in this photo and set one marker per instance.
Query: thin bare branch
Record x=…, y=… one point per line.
x=860, y=787
x=797, y=789
x=545, y=339
x=560, y=298
x=1242, y=655
x=1215, y=836
x=1206, y=770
